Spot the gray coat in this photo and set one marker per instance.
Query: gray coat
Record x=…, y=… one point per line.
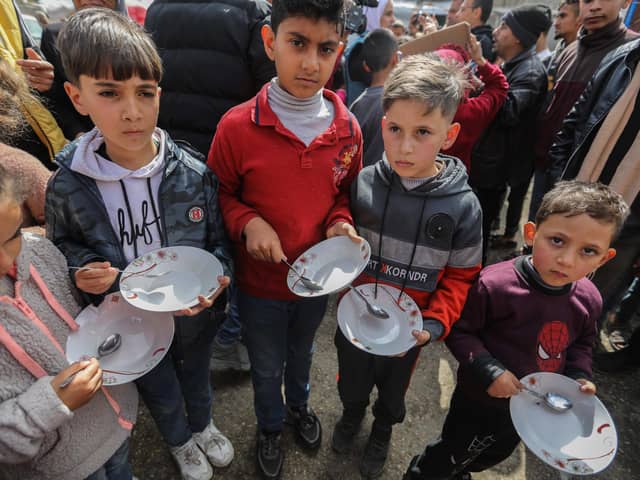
x=40, y=438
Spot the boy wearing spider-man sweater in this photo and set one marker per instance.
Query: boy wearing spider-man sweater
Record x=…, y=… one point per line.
x=534, y=313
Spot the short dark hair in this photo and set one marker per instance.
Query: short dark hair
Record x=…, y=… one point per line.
x=574, y=197
x=486, y=6
x=330, y=10
x=99, y=42
x=571, y=3
x=379, y=48
x=437, y=83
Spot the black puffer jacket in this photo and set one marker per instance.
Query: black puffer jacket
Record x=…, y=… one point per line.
x=583, y=122
x=505, y=151
x=213, y=59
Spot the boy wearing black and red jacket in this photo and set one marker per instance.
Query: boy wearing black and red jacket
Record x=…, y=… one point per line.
x=423, y=222
x=533, y=313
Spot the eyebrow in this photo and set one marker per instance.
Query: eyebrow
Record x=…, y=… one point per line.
x=116, y=84
x=328, y=43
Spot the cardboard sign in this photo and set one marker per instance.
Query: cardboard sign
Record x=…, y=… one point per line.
x=456, y=34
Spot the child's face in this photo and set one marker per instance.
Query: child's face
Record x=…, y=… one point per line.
x=413, y=137
x=126, y=112
x=10, y=239
x=566, y=249
x=305, y=52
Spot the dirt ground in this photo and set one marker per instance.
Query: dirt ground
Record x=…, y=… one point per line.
x=427, y=403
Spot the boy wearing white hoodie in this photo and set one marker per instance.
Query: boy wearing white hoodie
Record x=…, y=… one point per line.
x=124, y=189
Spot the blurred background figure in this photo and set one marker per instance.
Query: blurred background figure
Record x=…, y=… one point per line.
x=476, y=13
x=452, y=14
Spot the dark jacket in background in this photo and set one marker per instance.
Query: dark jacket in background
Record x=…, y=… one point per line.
x=213, y=59
x=484, y=34
x=585, y=119
x=505, y=152
x=71, y=122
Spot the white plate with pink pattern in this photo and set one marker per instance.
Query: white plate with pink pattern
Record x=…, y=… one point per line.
x=146, y=338
x=333, y=263
x=170, y=279
x=581, y=441
x=380, y=336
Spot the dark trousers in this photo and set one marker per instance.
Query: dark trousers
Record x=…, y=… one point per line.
x=514, y=210
x=359, y=371
x=177, y=391
x=490, y=201
x=474, y=438
x=279, y=337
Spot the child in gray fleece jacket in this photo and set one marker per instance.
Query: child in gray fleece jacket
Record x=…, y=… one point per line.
x=48, y=432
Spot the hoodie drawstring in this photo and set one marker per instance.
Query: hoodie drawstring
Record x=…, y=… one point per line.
x=380, y=235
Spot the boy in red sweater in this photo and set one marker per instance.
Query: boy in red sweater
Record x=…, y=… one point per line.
x=285, y=161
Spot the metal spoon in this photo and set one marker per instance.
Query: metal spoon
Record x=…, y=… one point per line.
x=107, y=347
x=375, y=310
x=306, y=281
x=554, y=401
x=148, y=275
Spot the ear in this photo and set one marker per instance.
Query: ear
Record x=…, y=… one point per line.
x=74, y=94
x=528, y=233
x=268, y=38
x=159, y=91
x=341, y=47
x=608, y=256
x=452, y=135
x=396, y=58
x=365, y=67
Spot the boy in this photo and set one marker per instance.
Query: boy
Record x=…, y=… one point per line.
x=534, y=313
x=286, y=160
x=126, y=188
x=380, y=56
x=424, y=225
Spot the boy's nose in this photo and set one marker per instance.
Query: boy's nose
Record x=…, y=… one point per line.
x=566, y=259
x=310, y=63
x=131, y=111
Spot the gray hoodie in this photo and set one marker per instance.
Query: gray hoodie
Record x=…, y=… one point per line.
x=40, y=438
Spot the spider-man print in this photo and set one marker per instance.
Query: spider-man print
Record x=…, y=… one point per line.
x=553, y=340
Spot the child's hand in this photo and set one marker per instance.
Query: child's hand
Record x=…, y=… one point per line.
x=505, y=386
x=587, y=386
x=205, y=303
x=344, y=228
x=97, y=280
x=84, y=385
x=263, y=242
x=422, y=337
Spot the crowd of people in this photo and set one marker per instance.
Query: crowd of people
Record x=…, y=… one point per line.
x=278, y=129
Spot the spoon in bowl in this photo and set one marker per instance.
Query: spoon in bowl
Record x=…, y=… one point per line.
x=309, y=284
x=375, y=310
x=554, y=401
x=107, y=347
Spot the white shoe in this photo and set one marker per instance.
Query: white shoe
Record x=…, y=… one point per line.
x=192, y=462
x=215, y=445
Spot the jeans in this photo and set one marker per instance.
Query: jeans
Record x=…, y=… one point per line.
x=177, y=391
x=514, y=210
x=117, y=467
x=541, y=185
x=231, y=328
x=279, y=337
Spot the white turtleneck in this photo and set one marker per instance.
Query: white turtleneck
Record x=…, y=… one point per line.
x=306, y=118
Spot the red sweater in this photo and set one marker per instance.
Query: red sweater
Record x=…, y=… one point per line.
x=266, y=171
x=476, y=113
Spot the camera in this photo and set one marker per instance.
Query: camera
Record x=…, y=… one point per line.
x=355, y=18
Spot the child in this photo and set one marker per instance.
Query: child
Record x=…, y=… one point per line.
x=286, y=160
x=432, y=254
x=126, y=188
x=380, y=54
x=47, y=432
x=534, y=313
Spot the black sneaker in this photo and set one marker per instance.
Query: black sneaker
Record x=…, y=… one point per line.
x=269, y=455
x=375, y=453
x=344, y=432
x=307, y=425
